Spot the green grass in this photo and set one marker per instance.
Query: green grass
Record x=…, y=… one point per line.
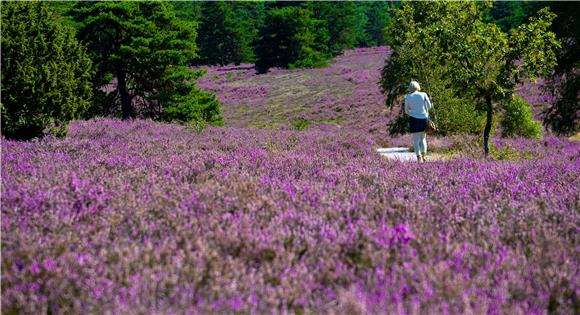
x=300, y=123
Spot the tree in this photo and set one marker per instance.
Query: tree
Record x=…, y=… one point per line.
x=187, y=10
x=62, y=8
x=518, y=120
x=564, y=115
x=250, y=17
x=146, y=49
x=378, y=20
x=45, y=72
x=361, y=20
x=481, y=63
x=338, y=21
x=221, y=37
x=287, y=39
x=506, y=14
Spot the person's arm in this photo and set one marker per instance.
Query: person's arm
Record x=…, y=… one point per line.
x=407, y=106
x=428, y=103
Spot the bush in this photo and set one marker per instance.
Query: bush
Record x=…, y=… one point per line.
x=456, y=116
x=45, y=72
x=198, y=107
x=300, y=124
x=518, y=120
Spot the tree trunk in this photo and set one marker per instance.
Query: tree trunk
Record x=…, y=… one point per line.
x=126, y=99
x=487, y=130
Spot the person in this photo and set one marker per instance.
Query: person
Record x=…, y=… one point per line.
x=417, y=106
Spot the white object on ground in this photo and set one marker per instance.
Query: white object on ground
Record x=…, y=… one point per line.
x=400, y=153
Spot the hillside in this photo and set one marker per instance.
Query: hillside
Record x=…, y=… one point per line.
x=345, y=94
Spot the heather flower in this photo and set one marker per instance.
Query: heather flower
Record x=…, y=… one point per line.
x=145, y=217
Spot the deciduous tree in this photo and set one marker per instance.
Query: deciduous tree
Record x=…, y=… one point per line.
x=449, y=42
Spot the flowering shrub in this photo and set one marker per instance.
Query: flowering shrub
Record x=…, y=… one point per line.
x=144, y=217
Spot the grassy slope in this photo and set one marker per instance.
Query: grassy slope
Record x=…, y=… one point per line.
x=345, y=94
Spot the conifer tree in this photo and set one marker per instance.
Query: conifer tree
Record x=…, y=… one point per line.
x=146, y=48
x=288, y=39
x=221, y=37
x=45, y=72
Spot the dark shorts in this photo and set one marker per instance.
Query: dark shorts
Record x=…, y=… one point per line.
x=417, y=124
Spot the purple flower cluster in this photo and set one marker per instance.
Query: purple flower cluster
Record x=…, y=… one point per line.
x=144, y=217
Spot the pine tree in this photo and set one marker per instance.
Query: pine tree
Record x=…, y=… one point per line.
x=45, y=72
x=221, y=38
x=378, y=20
x=146, y=48
x=287, y=39
x=338, y=20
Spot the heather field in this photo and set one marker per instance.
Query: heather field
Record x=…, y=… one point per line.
x=345, y=94
x=140, y=217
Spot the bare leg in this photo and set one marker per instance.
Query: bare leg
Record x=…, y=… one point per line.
x=417, y=145
x=423, y=143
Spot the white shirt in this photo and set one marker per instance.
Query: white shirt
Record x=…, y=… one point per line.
x=417, y=104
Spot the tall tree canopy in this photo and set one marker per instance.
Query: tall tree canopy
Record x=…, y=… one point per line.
x=378, y=21
x=338, y=20
x=288, y=39
x=506, y=14
x=45, y=72
x=221, y=37
x=145, y=48
x=448, y=44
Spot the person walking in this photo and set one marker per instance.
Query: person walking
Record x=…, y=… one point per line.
x=417, y=106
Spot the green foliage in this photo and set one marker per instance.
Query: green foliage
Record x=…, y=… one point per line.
x=378, y=21
x=506, y=14
x=221, y=39
x=456, y=116
x=187, y=10
x=287, y=39
x=509, y=153
x=62, y=9
x=518, y=120
x=146, y=48
x=231, y=31
x=250, y=17
x=372, y=19
x=184, y=103
x=300, y=124
x=337, y=20
x=45, y=72
x=448, y=46
x=361, y=20
x=536, y=45
x=198, y=108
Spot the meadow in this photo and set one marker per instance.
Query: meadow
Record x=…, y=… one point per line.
x=287, y=209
